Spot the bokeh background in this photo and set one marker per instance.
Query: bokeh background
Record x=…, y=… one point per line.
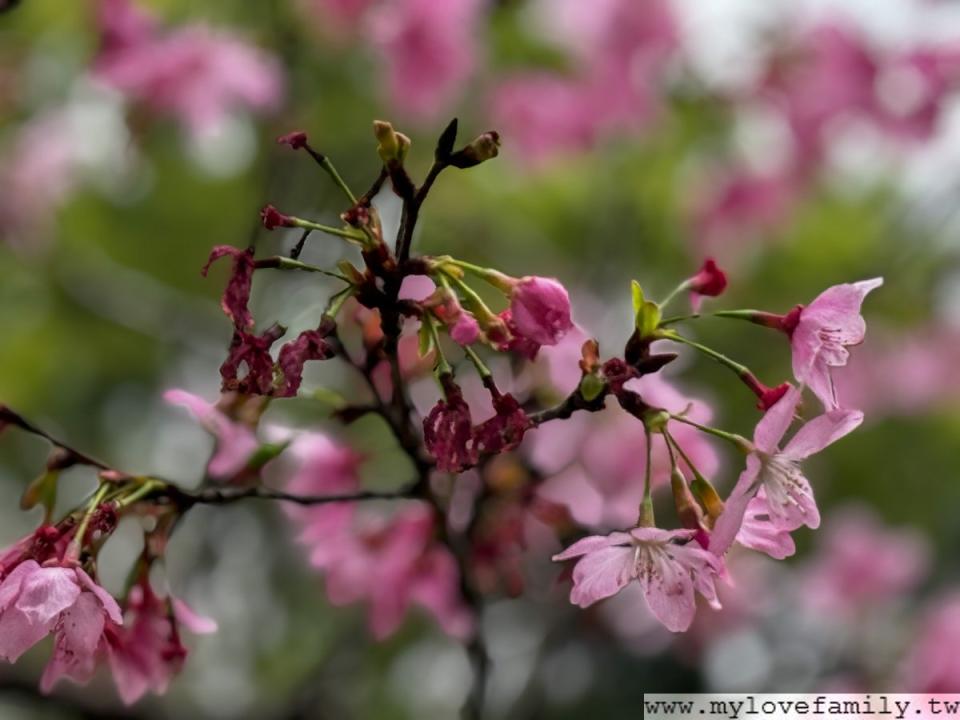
x=802, y=144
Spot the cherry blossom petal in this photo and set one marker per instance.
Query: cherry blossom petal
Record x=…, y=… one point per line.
x=48, y=592
x=775, y=422
x=731, y=519
x=602, y=573
x=822, y=431
x=668, y=588
x=592, y=544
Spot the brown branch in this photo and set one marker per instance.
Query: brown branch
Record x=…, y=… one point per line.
x=224, y=496
x=9, y=417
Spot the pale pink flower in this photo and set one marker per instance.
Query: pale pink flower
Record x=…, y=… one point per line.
x=147, y=653
x=193, y=73
x=236, y=443
x=36, y=601
x=786, y=491
x=759, y=532
x=932, y=664
x=669, y=567
x=825, y=329
x=540, y=310
x=860, y=562
x=429, y=51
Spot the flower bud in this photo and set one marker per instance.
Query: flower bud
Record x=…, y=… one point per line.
x=392, y=146
x=688, y=511
x=296, y=140
x=707, y=495
x=483, y=148
x=273, y=218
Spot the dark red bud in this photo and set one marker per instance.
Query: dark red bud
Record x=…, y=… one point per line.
x=296, y=139
x=273, y=218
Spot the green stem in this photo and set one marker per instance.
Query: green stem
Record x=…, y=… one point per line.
x=681, y=318
x=286, y=263
x=76, y=544
x=339, y=232
x=737, y=440
x=477, y=306
x=494, y=277
x=442, y=365
x=740, y=370
x=332, y=171
x=673, y=293
x=336, y=302
x=672, y=444
x=481, y=367
x=145, y=489
x=646, y=507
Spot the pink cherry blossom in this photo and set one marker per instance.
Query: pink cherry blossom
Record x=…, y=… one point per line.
x=670, y=569
x=786, y=491
x=147, y=653
x=429, y=51
x=192, y=73
x=860, y=562
x=759, y=532
x=64, y=601
x=236, y=443
x=825, y=329
x=540, y=310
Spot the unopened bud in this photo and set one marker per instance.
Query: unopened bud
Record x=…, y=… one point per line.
x=392, y=146
x=688, y=511
x=708, y=496
x=483, y=148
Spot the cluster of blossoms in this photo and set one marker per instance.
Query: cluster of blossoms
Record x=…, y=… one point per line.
x=447, y=540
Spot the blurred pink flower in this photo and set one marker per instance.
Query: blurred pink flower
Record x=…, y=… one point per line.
x=619, y=48
x=36, y=601
x=824, y=330
x=741, y=204
x=429, y=51
x=145, y=654
x=787, y=493
x=391, y=565
x=339, y=17
x=236, y=443
x=932, y=664
x=860, y=561
x=924, y=360
x=669, y=568
x=594, y=461
x=192, y=73
x=37, y=173
x=541, y=114
x=321, y=467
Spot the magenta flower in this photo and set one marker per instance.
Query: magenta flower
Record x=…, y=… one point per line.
x=251, y=353
x=669, y=567
x=192, y=73
x=710, y=281
x=786, y=492
x=236, y=443
x=824, y=330
x=448, y=430
x=505, y=430
x=461, y=324
x=36, y=601
x=540, y=310
x=147, y=653
x=932, y=664
x=309, y=345
x=237, y=294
